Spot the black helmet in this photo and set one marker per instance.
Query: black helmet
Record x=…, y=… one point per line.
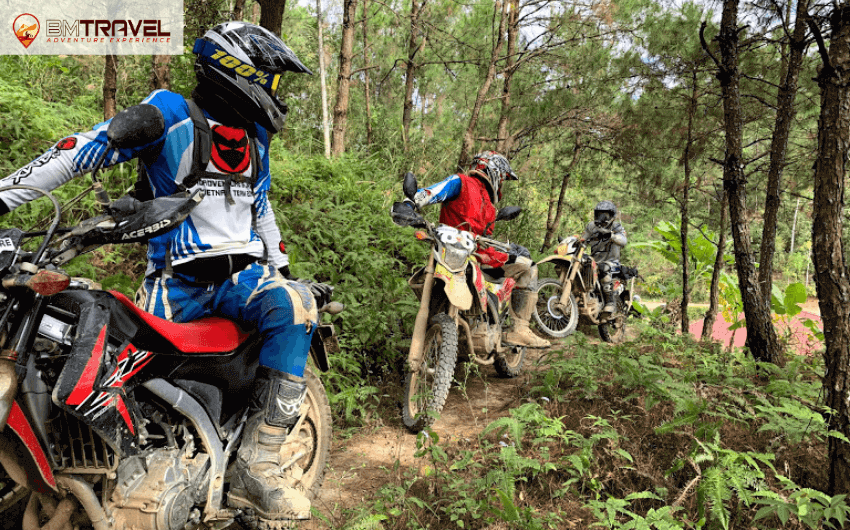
x=495, y=168
x=604, y=214
x=238, y=67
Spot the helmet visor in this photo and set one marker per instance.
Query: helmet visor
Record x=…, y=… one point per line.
x=602, y=217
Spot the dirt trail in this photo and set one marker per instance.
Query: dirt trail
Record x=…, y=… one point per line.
x=361, y=465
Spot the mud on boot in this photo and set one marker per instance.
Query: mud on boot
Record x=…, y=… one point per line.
x=521, y=306
x=266, y=479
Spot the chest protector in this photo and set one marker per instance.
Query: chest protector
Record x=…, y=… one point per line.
x=230, y=149
x=471, y=210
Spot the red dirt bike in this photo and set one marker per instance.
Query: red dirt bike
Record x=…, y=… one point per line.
x=462, y=309
x=112, y=418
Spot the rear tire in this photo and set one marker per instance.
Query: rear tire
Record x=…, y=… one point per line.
x=425, y=390
x=318, y=430
x=551, y=319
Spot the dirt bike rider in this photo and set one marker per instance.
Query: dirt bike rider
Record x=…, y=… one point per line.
x=468, y=203
x=221, y=260
x=607, y=238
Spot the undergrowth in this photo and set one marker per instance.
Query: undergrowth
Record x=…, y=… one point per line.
x=657, y=433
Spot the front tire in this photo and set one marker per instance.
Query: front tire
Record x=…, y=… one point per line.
x=614, y=331
x=317, y=431
x=426, y=390
x=552, y=319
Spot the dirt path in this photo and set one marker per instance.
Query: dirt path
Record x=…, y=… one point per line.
x=361, y=465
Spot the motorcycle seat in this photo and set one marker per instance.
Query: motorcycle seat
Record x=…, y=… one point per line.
x=205, y=335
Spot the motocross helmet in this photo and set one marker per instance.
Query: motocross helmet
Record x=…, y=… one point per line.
x=492, y=168
x=238, y=66
x=604, y=214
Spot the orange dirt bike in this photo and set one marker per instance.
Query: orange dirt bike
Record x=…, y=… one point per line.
x=462, y=309
x=577, y=294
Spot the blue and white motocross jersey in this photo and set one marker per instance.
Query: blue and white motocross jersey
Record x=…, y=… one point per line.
x=215, y=227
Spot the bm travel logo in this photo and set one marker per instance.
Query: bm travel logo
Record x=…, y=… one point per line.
x=89, y=27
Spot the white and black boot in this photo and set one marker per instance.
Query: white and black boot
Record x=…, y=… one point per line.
x=260, y=483
x=610, y=301
x=520, y=334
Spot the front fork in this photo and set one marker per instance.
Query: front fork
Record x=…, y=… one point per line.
x=417, y=344
x=567, y=278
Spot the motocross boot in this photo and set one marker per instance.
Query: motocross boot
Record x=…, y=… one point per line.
x=266, y=479
x=522, y=304
x=610, y=301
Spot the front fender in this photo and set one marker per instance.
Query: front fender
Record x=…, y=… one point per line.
x=456, y=289
x=555, y=259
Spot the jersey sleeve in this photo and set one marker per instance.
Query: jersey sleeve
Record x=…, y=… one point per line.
x=70, y=157
x=266, y=224
x=442, y=191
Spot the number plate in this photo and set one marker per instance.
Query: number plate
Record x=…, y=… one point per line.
x=10, y=239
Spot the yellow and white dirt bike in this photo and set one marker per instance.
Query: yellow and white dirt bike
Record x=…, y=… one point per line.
x=462, y=309
x=577, y=294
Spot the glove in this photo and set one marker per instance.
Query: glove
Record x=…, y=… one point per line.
x=519, y=250
x=284, y=271
x=404, y=213
x=322, y=292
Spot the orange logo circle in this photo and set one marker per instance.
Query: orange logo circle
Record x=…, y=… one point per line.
x=26, y=28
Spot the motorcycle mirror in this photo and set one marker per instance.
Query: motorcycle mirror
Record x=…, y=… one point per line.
x=508, y=212
x=409, y=186
x=136, y=126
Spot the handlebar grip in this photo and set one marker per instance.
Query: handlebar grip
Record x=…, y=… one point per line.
x=334, y=308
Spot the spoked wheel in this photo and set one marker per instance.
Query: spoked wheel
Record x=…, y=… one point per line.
x=427, y=388
x=553, y=318
x=315, y=431
x=509, y=363
x=614, y=331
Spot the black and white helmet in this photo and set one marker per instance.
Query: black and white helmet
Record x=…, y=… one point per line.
x=604, y=214
x=239, y=66
x=495, y=168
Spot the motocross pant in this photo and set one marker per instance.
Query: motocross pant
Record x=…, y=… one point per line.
x=606, y=274
x=284, y=312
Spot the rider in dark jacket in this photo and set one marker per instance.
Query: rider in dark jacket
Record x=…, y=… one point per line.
x=468, y=202
x=607, y=238
x=226, y=258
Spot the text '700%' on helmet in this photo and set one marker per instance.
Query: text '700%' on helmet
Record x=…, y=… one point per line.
x=239, y=66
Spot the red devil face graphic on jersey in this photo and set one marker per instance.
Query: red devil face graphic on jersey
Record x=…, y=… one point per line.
x=231, y=151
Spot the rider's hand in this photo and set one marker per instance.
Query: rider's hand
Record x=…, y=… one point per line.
x=284, y=271
x=519, y=250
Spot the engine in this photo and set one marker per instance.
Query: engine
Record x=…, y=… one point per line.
x=158, y=491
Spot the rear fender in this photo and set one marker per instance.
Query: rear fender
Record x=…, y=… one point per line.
x=558, y=260
x=20, y=450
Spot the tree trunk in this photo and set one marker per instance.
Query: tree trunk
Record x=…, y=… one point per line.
x=271, y=14
x=761, y=336
x=346, y=52
x=833, y=285
x=326, y=129
x=366, y=89
x=110, y=86
x=505, y=143
x=238, y=9
x=684, y=210
x=711, y=314
x=161, y=72
x=794, y=226
x=413, y=47
x=785, y=111
x=556, y=207
x=468, y=142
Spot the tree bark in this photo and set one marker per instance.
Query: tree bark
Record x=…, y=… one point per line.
x=271, y=14
x=719, y=263
x=366, y=62
x=684, y=207
x=326, y=129
x=414, y=46
x=346, y=53
x=761, y=336
x=161, y=72
x=468, y=142
x=833, y=285
x=794, y=226
x=785, y=112
x=238, y=9
x=556, y=206
x=505, y=142
x=110, y=86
